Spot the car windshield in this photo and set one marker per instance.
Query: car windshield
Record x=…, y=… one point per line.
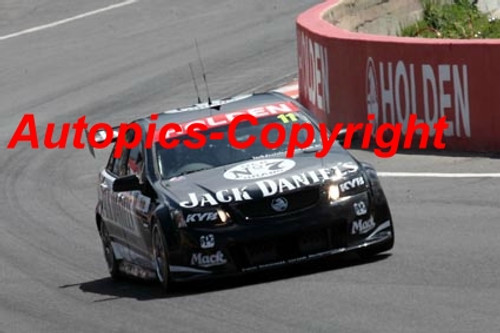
x=181, y=160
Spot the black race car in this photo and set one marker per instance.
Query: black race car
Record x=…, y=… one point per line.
x=176, y=213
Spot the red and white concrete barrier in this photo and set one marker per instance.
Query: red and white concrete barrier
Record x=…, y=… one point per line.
x=291, y=89
x=344, y=76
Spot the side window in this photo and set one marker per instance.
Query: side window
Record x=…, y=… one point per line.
x=121, y=164
x=111, y=162
x=135, y=161
x=130, y=162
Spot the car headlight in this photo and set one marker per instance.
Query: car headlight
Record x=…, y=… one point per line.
x=179, y=219
x=333, y=192
x=224, y=216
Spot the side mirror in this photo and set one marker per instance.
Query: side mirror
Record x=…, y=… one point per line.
x=341, y=136
x=343, y=133
x=127, y=183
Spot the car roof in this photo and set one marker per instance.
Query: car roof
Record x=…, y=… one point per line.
x=197, y=111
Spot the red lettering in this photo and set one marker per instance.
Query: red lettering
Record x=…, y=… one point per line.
x=368, y=132
x=440, y=127
x=194, y=132
x=27, y=120
x=121, y=140
x=150, y=135
x=79, y=127
x=294, y=141
x=326, y=141
x=412, y=128
x=162, y=136
x=61, y=143
x=280, y=138
x=392, y=144
x=231, y=131
x=350, y=130
x=100, y=127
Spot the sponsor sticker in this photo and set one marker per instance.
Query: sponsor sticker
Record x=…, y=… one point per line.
x=360, y=208
x=259, y=169
x=208, y=260
x=360, y=226
x=207, y=241
x=269, y=187
x=201, y=217
x=143, y=203
x=352, y=184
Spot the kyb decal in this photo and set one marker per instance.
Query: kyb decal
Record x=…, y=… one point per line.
x=352, y=184
x=208, y=260
x=259, y=169
x=201, y=217
x=360, y=226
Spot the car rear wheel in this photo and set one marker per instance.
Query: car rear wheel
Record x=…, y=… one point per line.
x=160, y=257
x=109, y=254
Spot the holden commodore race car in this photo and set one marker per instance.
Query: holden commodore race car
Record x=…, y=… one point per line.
x=174, y=213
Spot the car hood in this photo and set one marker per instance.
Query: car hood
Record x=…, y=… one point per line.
x=258, y=178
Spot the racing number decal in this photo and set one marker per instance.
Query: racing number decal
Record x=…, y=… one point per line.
x=287, y=117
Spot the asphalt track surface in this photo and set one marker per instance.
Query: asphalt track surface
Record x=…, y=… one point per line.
x=442, y=276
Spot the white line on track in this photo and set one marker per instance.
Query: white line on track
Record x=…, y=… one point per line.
x=438, y=175
x=67, y=20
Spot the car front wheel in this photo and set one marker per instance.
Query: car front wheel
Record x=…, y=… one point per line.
x=160, y=257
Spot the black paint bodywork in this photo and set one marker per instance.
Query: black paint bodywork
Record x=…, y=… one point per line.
x=257, y=237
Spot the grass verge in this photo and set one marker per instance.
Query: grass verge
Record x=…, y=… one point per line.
x=460, y=19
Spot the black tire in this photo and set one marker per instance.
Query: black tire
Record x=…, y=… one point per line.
x=109, y=254
x=160, y=256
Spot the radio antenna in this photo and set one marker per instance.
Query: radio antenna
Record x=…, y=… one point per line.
x=203, y=71
x=195, y=84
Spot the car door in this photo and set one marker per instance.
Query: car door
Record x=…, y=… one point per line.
x=137, y=207
x=111, y=211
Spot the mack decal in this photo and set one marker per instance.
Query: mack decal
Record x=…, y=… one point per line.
x=362, y=226
x=208, y=260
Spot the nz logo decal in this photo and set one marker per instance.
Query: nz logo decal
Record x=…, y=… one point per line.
x=259, y=169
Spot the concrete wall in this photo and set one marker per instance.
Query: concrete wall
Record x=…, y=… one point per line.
x=386, y=17
x=381, y=17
